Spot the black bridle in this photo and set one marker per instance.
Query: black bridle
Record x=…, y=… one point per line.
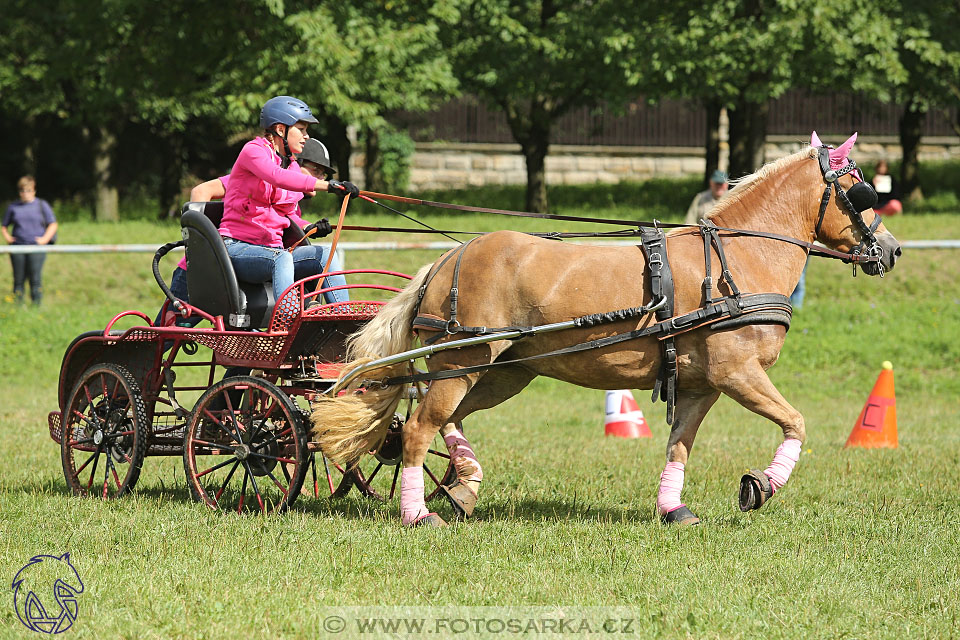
x=865, y=198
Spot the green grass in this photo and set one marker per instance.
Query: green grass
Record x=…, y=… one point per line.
x=860, y=544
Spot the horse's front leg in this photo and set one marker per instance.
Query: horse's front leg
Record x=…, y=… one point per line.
x=751, y=387
x=692, y=406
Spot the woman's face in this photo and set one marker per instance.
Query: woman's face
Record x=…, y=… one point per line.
x=28, y=193
x=297, y=136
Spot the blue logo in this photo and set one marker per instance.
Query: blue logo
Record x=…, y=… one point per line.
x=43, y=575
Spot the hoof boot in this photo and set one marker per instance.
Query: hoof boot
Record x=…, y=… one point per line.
x=461, y=497
x=431, y=520
x=681, y=516
x=755, y=489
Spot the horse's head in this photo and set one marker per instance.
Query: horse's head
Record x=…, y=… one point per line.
x=846, y=220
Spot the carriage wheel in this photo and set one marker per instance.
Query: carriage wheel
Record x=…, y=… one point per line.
x=378, y=475
x=245, y=448
x=105, y=433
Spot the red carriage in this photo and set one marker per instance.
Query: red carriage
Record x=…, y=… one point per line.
x=128, y=394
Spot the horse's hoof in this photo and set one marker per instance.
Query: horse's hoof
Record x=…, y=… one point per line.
x=462, y=498
x=681, y=516
x=755, y=489
x=431, y=520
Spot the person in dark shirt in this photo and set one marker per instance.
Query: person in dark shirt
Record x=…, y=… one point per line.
x=30, y=220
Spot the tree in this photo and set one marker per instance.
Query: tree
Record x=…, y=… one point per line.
x=928, y=48
x=536, y=60
x=364, y=60
x=744, y=53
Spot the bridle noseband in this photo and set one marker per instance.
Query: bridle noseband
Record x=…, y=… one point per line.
x=869, y=247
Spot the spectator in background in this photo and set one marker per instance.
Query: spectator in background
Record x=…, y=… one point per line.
x=32, y=221
x=704, y=201
x=888, y=191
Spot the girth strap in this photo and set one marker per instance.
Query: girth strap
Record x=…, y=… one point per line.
x=661, y=286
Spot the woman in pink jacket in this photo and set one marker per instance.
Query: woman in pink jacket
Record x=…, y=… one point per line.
x=262, y=197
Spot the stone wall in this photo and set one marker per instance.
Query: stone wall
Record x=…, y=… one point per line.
x=439, y=165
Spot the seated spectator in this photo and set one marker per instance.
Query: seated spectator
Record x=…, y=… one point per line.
x=888, y=191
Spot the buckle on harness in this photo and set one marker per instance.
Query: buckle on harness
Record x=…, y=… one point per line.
x=452, y=326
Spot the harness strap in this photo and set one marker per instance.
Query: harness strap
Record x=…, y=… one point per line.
x=654, y=245
x=771, y=305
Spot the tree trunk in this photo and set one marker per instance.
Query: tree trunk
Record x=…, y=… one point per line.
x=106, y=208
x=535, y=146
x=712, y=151
x=171, y=175
x=911, y=126
x=748, y=132
x=30, y=147
x=373, y=162
x=338, y=143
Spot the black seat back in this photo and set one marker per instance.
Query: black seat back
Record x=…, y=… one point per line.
x=212, y=284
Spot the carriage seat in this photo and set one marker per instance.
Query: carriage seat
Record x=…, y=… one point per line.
x=212, y=284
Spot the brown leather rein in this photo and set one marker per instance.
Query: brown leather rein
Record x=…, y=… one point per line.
x=810, y=247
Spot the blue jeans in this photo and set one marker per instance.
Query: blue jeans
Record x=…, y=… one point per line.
x=796, y=298
x=309, y=261
x=178, y=287
x=255, y=263
x=27, y=266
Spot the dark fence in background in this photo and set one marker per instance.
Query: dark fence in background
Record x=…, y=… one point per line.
x=671, y=122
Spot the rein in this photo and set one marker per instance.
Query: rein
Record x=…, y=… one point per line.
x=855, y=257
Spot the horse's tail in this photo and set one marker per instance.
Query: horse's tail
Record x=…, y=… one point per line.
x=348, y=426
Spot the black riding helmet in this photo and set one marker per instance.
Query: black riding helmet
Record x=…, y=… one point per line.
x=316, y=152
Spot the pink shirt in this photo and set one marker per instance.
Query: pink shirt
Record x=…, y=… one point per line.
x=262, y=197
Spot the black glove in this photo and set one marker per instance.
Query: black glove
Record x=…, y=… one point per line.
x=322, y=227
x=343, y=188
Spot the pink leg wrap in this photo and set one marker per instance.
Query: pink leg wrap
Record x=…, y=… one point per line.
x=671, y=483
x=412, y=506
x=464, y=459
x=783, y=462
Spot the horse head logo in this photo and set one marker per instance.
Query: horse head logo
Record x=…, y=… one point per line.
x=41, y=576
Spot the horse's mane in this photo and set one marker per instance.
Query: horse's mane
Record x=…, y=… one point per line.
x=747, y=184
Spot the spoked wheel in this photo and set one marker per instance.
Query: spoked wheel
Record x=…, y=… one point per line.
x=245, y=448
x=325, y=478
x=105, y=433
x=378, y=475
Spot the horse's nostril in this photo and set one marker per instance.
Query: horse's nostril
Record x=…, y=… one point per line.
x=898, y=252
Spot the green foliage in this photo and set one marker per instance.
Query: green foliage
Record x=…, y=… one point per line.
x=396, y=149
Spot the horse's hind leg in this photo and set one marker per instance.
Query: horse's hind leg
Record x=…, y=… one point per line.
x=751, y=387
x=492, y=389
x=434, y=411
x=692, y=406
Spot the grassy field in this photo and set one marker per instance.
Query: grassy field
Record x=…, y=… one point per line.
x=860, y=544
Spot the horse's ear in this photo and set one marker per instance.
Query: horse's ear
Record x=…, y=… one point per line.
x=839, y=155
x=815, y=140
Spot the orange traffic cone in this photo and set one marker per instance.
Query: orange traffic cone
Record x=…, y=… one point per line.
x=623, y=417
x=877, y=424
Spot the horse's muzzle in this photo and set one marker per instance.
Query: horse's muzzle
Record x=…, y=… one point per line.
x=890, y=252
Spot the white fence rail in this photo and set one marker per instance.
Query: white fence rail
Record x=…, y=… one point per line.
x=371, y=246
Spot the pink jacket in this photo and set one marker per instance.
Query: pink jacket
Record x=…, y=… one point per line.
x=261, y=199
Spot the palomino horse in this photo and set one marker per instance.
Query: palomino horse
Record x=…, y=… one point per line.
x=509, y=279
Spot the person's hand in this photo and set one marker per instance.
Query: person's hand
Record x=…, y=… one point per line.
x=343, y=188
x=320, y=229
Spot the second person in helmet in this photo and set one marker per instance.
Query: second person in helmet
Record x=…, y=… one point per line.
x=262, y=197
